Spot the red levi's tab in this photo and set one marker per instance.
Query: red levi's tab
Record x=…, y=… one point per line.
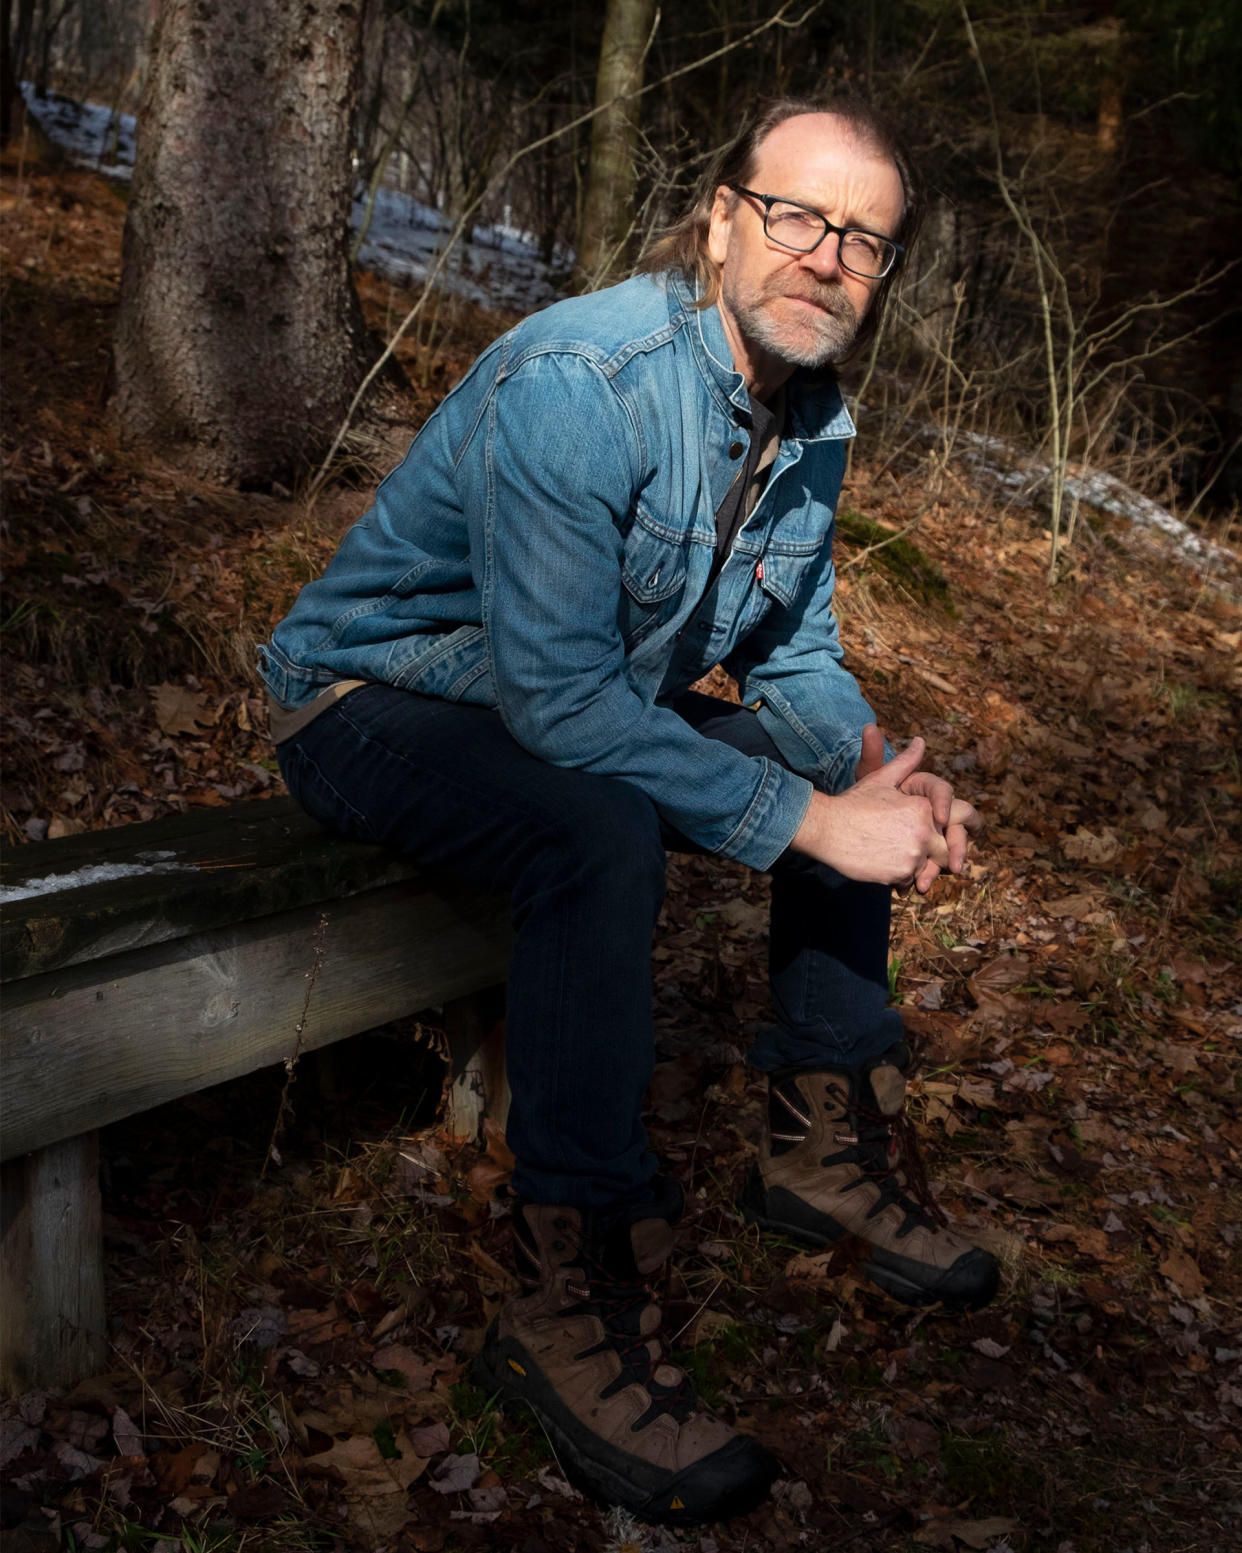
x=759, y=572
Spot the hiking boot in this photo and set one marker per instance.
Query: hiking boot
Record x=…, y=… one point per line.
x=582, y=1347
x=839, y=1158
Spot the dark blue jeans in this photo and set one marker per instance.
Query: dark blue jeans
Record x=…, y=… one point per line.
x=583, y=858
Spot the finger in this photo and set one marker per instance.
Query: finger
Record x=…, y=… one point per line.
x=941, y=795
x=871, y=757
x=963, y=813
x=927, y=876
x=956, y=834
x=903, y=765
x=938, y=850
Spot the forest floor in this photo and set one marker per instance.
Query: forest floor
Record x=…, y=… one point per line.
x=290, y=1345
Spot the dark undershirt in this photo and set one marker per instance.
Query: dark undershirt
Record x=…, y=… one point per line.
x=735, y=508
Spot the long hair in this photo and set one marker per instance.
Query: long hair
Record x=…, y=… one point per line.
x=683, y=246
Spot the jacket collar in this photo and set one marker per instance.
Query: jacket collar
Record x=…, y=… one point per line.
x=816, y=407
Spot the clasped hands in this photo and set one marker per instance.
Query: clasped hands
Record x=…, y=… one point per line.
x=897, y=825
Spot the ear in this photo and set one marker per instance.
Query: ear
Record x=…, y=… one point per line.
x=721, y=226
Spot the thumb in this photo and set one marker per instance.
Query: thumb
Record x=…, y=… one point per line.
x=871, y=756
x=903, y=765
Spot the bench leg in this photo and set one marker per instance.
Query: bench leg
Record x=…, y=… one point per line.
x=52, y=1330
x=475, y=1030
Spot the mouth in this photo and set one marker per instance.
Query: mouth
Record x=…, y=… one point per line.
x=823, y=305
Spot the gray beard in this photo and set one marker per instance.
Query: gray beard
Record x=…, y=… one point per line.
x=814, y=341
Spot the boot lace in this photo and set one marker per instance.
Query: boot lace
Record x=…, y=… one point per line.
x=886, y=1147
x=619, y=1303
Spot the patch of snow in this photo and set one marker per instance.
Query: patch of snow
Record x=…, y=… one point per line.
x=80, y=878
x=496, y=265
x=84, y=130
x=1015, y=471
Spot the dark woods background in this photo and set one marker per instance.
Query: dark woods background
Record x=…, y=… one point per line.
x=1080, y=159
x=188, y=431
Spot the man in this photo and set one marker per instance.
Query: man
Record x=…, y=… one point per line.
x=493, y=674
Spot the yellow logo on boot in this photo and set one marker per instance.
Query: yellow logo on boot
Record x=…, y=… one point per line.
x=514, y=1365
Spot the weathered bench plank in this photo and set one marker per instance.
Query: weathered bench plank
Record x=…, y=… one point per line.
x=208, y=868
x=90, y=1044
x=168, y=957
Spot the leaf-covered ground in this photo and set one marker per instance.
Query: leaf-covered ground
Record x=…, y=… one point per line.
x=291, y=1341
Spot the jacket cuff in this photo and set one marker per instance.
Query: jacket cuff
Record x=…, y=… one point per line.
x=772, y=818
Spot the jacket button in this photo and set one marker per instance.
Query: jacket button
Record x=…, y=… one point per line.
x=736, y=449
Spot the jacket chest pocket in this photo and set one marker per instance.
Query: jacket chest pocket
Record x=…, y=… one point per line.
x=653, y=578
x=778, y=577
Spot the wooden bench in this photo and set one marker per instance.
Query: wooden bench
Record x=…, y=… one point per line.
x=170, y=956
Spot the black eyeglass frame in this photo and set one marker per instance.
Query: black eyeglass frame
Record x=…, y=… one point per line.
x=768, y=200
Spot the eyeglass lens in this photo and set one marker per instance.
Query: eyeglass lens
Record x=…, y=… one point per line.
x=802, y=230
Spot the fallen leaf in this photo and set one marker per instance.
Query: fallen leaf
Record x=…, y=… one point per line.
x=62, y=825
x=922, y=1440
x=176, y=1470
x=1079, y=907
x=709, y=1325
x=488, y=1499
x=990, y=984
x=77, y=1463
x=178, y=710
x=498, y=1150
x=977, y=1534
x=365, y=1472
x=456, y=1474
x=484, y=1178
x=749, y=919
x=1089, y=1240
x=1085, y=846
x=1181, y=1059
x=16, y=1436
x=1182, y=1273
x=430, y=1439
x=126, y=1434
x=316, y=1326
x=501, y=1276
x=412, y=1367
x=974, y=1093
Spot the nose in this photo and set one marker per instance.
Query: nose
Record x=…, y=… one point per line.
x=825, y=261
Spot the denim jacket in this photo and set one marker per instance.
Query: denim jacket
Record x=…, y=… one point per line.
x=544, y=549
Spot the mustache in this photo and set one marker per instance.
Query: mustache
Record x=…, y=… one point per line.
x=831, y=296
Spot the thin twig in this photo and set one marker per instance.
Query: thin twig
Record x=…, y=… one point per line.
x=463, y=220
x=283, y=1108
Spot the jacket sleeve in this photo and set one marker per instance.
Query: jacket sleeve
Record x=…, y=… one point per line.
x=548, y=481
x=790, y=668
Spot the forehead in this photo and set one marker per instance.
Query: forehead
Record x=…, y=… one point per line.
x=820, y=159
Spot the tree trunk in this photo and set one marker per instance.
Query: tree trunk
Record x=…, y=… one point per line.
x=609, y=208
x=239, y=340
x=8, y=72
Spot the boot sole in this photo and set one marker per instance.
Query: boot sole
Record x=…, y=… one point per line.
x=732, y=1481
x=976, y=1280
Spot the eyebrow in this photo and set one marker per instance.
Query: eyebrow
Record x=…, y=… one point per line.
x=845, y=226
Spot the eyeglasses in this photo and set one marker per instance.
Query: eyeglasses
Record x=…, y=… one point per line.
x=801, y=229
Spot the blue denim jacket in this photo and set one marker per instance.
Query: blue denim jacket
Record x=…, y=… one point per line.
x=544, y=549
